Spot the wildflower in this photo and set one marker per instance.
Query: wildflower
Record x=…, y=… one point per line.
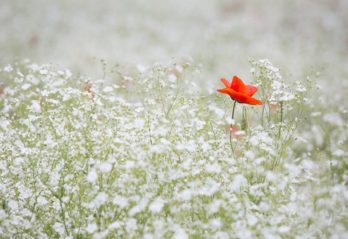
x=236, y=133
x=273, y=87
x=87, y=87
x=239, y=91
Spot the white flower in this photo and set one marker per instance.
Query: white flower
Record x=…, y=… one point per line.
x=120, y=201
x=172, y=78
x=92, y=176
x=108, y=89
x=138, y=123
x=179, y=233
x=91, y=228
x=268, y=76
x=35, y=106
x=59, y=228
x=238, y=182
x=105, y=167
x=41, y=201
x=13, y=205
x=333, y=119
x=157, y=205
x=100, y=200
x=8, y=68
x=26, y=86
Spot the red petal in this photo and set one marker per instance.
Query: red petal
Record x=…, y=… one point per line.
x=252, y=101
x=225, y=91
x=234, y=94
x=238, y=85
x=225, y=82
x=240, y=97
x=250, y=90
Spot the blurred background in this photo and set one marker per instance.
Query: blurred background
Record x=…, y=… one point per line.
x=299, y=36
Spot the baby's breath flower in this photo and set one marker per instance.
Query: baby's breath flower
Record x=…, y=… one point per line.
x=147, y=157
x=269, y=79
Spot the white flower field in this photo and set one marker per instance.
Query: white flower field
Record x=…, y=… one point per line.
x=114, y=122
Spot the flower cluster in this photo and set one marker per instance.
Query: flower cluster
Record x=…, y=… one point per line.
x=269, y=78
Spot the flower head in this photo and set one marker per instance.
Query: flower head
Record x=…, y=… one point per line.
x=239, y=91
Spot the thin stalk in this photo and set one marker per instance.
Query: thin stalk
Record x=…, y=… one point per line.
x=263, y=112
x=330, y=159
x=148, y=120
x=232, y=117
x=281, y=119
x=234, y=107
x=245, y=120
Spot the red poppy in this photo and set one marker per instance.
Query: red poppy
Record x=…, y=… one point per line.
x=239, y=91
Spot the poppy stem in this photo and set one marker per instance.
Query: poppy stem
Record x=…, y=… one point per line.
x=245, y=120
x=234, y=106
x=232, y=117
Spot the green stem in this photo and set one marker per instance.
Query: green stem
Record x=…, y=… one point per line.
x=263, y=112
x=281, y=119
x=232, y=117
x=245, y=120
x=234, y=107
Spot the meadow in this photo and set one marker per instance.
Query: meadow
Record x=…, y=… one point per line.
x=139, y=146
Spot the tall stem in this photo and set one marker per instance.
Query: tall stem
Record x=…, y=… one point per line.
x=263, y=112
x=234, y=106
x=232, y=117
x=245, y=120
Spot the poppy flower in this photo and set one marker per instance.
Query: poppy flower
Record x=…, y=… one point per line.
x=239, y=91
